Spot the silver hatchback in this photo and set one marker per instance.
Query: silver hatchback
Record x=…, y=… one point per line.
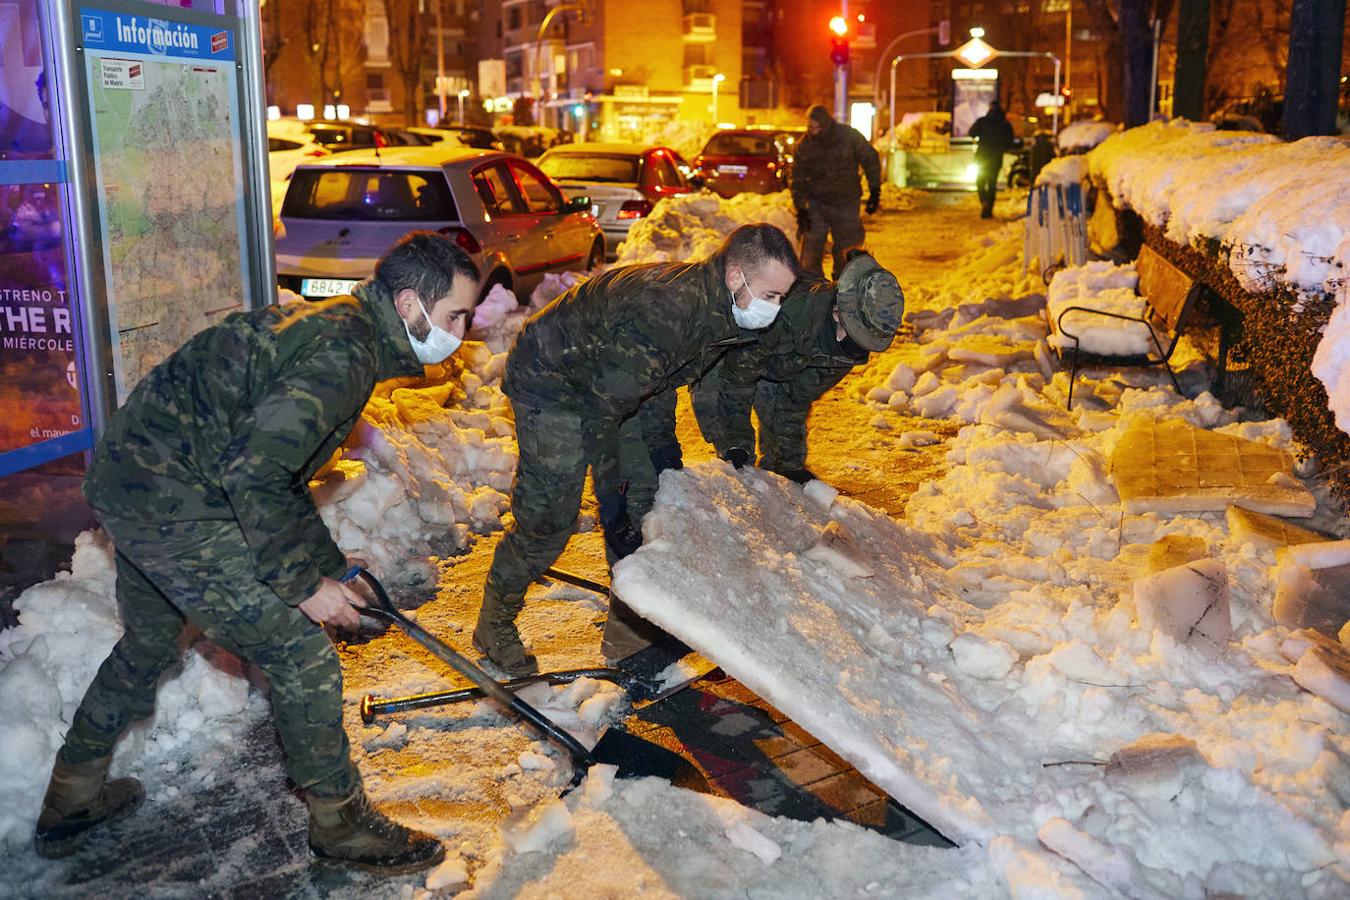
x=341, y=214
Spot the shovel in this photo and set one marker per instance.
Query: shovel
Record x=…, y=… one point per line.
x=634, y=757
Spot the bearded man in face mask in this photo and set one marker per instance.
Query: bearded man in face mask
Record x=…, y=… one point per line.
x=826, y=330
x=592, y=380
x=201, y=479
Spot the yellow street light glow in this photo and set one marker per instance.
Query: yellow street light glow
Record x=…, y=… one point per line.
x=839, y=26
x=719, y=77
x=975, y=53
x=977, y=31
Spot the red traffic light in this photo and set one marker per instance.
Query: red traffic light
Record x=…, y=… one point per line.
x=839, y=25
x=839, y=53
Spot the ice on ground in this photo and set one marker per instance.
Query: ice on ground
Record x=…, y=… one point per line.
x=1266, y=532
x=991, y=676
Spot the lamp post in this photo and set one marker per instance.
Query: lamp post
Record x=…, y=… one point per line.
x=462, y=94
x=716, y=80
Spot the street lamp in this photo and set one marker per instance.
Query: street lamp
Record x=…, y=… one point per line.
x=462, y=94
x=716, y=79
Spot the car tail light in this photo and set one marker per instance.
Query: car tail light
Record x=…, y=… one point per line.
x=317, y=151
x=380, y=140
x=466, y=241
x=634, y=209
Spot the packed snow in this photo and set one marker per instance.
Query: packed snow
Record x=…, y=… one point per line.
x=692, y=226
x=951, y=655
x=1077, y=137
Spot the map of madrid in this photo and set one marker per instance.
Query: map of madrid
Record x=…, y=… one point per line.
x=170, y=190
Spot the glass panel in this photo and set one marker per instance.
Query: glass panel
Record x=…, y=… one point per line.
x=577, y=167
x=39, y=394
x=499, y=198
x=365, y=195
x=541, y=196
x=25, y=132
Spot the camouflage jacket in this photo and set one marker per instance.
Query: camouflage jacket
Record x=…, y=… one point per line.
x=800, y=351
x=620, y=344
x=825, y=169
x=237, y=420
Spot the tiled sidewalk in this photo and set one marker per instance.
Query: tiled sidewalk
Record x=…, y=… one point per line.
x=755, y=755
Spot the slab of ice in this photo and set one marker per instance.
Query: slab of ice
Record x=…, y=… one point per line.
x=1187, y=602
x=1170, y=466
x=538, y=827
x=1266, y=532
x=1312, y=586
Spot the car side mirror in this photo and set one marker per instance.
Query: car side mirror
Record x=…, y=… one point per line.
x=578, y=204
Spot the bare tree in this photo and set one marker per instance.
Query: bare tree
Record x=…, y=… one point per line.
x=274, y=39
x=410, y=36
x=334, y=44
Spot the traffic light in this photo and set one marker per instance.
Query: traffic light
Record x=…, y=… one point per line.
x=839, y=41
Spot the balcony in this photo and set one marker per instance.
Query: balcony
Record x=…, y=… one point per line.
x=699, y=77
x=700, y=28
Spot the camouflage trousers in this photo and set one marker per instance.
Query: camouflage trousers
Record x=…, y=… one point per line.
x=782, y=423
x=202, y=573
x=557, y=446
x=841, y=223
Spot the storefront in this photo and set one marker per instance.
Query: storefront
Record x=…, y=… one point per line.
x=133, y=213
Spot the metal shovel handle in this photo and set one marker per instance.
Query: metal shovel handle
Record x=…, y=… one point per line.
x=385, y=611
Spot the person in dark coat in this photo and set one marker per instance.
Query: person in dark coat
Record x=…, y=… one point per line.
x=826, y=190
x=994, y=136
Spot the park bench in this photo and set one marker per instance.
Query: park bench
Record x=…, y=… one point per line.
x=1170, y=297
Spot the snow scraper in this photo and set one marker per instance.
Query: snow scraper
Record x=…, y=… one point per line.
x=634, y=756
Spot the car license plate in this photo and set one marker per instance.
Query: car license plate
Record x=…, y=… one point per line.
x=596, y=209
x=732, y=170
x=326, y=287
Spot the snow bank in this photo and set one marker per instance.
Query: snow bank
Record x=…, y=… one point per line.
x=1080, y=136
x=1063, y=170
x=67, y=626
x=1103, y=286
x=692, y=226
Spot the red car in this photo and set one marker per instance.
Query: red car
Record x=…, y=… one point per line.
x=738, y=161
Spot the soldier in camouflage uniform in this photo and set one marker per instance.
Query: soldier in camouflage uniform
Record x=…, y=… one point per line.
x=825, y=330
x=592, y=380
x=201, y=480
x=826, y=191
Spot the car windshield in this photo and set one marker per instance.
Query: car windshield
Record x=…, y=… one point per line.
x=739, y=145
x=584, y=167
x=369, y=195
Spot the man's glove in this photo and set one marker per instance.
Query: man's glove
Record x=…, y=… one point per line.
x=803, y=221
x=739, y=457
x=801, y=476
x=667, y=457
x=873, y=202
x=622, y=536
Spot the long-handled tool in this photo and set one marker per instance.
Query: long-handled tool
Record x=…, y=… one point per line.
x=634, y=756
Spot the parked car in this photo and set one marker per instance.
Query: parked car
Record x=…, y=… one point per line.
x=733, y=162
x=342, y=135
x=342, y=213
x=432, y=137
x=475, y=136
x=623, y=181
x=288, y=149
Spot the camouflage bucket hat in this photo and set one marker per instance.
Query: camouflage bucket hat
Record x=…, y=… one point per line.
x=870, y=303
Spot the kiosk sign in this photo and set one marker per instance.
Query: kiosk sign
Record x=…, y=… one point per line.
x=164, y=113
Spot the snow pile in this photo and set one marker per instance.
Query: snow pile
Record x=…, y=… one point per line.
x=685, y=138
x=1331, y=363
x=1064, y=170
x=1102, y=286
x=692, y=226
x=67, y=626
x=1282, y=210
x=1077, y=137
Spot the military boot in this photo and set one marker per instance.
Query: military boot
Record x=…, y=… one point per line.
x=348, y=830
x=79, y=798
x=496, y=635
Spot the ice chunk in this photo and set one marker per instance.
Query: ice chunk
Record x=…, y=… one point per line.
x=538, y=828
x=982, y=657
x=917, y=439
x=1266, y=532
x=451, y=873
x=902, y=378
x=1155, y=766
x=839, y=550
x=1112, y=866
x=599, y=784
x=1173, y=550
x=743, y=837
x=393, y=737
x=1081, y=662
x=1171, y=466
x=535, y=762
x=1325, y=671
x=1312, y=586
x=820, y=493
x=1186, y=602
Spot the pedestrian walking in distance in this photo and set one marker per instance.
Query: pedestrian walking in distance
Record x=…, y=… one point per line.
x=994, y=137
x=826, y=189
x=201, y=481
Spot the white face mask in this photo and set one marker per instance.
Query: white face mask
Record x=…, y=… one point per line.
x=759, y=314
x=437, y=346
